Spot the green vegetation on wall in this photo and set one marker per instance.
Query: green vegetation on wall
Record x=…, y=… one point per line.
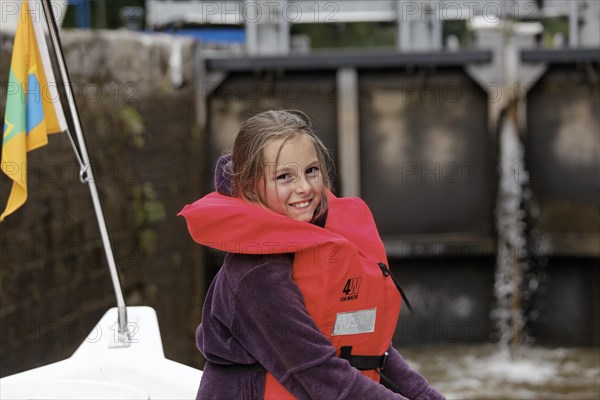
x=348, y=35
x=102, y=14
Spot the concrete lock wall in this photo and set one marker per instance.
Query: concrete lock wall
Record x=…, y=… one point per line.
x=136, y=96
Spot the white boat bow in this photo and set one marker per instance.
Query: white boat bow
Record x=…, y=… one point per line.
x=102, y=368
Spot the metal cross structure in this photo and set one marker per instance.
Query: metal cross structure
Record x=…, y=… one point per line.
x=419, y=23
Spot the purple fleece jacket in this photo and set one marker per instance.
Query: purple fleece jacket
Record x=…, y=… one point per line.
x=254, y=312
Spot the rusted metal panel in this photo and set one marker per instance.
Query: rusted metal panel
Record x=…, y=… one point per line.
x=428, y=163
x=563, y=158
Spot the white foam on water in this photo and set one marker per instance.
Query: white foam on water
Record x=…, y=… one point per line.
x=501, y=367
x=485, y=372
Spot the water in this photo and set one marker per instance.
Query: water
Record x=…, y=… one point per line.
x=484, y=372
x=510, y=224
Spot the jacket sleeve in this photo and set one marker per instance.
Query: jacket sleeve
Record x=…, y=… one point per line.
x=409, y=381
x=271, y=321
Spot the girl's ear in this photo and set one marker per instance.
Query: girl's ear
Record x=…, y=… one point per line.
x=252, y=196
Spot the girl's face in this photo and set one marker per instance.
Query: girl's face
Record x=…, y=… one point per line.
x=292, y=184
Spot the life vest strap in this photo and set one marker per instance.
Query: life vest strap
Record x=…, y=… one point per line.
x=363, y=363
x=390, y=384
x=387, y=272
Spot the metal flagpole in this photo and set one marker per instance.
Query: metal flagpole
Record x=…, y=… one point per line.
x=87, y=173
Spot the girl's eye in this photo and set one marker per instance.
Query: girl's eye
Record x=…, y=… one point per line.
x=284, y=177
x=312, y=171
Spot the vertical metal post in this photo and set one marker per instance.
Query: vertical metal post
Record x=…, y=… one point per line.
x=268, y=32
x=589, y=34
x=437, y=32
x=89, y=176
x=574, y=24
x=284, y=29
x=403, y=23
x=348, y=131
x=251, y=34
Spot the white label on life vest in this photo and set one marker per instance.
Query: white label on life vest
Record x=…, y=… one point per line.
x=355, y=322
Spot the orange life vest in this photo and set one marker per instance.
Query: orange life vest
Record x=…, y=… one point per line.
x=336, y=267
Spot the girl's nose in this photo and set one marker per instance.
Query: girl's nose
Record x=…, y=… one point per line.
x=302, y=185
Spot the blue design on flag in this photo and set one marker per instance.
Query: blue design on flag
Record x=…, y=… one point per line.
x=35, y=112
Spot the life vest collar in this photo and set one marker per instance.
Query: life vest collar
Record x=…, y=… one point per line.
x=236, y=226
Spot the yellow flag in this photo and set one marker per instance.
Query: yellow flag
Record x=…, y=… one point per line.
x=33, y=108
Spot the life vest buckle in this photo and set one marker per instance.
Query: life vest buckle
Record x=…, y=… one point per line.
x=363, y=363
x=384, y=361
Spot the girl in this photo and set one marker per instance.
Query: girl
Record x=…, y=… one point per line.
x=304, y=306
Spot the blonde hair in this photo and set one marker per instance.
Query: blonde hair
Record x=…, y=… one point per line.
x=255, y=134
